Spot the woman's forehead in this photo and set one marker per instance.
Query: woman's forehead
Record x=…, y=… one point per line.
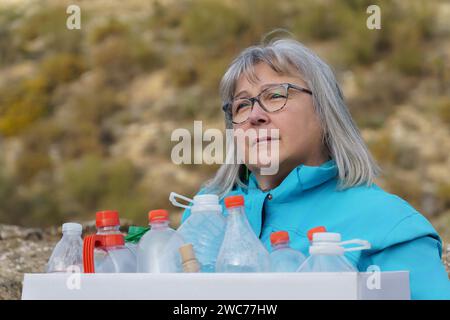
x=262, y=75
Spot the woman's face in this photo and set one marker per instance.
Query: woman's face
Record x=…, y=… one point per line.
x=300, y=134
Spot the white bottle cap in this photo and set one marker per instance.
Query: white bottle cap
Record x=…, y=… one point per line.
x=206, y=199
x=72, y=227
x=206, y=202
x=326, y=237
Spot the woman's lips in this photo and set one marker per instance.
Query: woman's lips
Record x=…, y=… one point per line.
x=263, y=140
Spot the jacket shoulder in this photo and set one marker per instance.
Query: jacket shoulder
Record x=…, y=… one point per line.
x=389, y=219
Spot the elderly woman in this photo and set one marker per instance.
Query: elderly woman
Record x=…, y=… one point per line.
x=326, y=173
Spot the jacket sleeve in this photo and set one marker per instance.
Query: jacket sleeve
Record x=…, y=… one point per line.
x=414, y=245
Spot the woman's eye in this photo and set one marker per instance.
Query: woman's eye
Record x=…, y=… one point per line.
x=276, y=96
x=241, y=106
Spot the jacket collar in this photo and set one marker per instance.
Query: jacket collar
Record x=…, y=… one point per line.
x=301, y=178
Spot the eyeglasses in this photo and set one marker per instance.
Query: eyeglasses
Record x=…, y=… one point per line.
x=271, y=99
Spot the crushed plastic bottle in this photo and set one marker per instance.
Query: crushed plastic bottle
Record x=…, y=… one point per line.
x=204, y=229
x=283, y=258
x=241, y=250
x=67, y=256
x=157, y=251
x=105, y=252
x=327, y=253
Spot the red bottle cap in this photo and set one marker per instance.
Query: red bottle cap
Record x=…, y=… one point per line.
x=279, y=237
x=234, y=201
x=314, y=230
x=158, y=215
x=107, y=218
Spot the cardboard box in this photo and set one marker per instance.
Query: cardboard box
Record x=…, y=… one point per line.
x=217, y=286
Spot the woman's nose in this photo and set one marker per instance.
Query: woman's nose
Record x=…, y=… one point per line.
x=258, y=115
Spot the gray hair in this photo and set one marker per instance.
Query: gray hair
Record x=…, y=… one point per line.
x=341, y=136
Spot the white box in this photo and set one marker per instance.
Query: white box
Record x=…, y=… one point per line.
x=217, y=286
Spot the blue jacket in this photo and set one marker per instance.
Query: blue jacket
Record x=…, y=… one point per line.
x=401, y=238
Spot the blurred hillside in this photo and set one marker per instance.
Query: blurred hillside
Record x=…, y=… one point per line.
x=86, y=115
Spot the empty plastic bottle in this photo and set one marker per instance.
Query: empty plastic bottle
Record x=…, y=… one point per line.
x=283, y=258
x=327, y=253
x=105, y=252
x=241, y=250
x=205, y=228
x=157, y=251
x=67, y=256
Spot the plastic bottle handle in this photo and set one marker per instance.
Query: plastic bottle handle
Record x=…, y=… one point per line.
x=89, y=244
x=364, y=244
x=173, y=196
x=88, y=254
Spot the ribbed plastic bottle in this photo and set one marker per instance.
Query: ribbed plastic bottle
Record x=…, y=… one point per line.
x=68, y=252
x=283, y=258
x=157, y=251
x=241, y=250
x=204, y=229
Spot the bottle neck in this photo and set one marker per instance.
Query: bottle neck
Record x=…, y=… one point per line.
x=326, y=248
x=236, y=216
x=280, y=245
x=108, y=230
x=71, y=234
x=159, y=225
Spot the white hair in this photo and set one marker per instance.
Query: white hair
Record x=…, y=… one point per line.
x=341, y=136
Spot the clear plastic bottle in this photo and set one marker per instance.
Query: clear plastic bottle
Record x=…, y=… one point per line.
x=204, y=229
x=157, y=251
x=283, y=258
x=327, y=253
x=110, y=253
x=68, y=252
x=241, y=250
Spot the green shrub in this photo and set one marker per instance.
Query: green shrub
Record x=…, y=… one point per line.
x=444, y=194
x=208, y=21
x=22, y=103
x=444, y=110
x=61, y=68
x=25, y=101
x=378, y=99
x=35, y=155
x=408, y=54
x=320, y=21
x=95, y=183
x=112, y=28
x=47, y=25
